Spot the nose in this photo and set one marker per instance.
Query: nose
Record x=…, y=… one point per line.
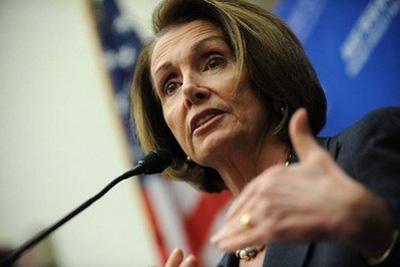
x=194, y=93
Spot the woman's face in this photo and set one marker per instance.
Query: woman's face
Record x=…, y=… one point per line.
x=210, y=110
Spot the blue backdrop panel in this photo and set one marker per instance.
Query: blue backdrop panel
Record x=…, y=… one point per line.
x=355, y=49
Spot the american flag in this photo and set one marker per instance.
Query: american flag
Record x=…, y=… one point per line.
x=180, y=216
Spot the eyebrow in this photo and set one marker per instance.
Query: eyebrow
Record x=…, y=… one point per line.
x=196, y=48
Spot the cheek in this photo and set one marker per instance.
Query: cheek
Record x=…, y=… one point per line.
x=225, y=82
x=175, y=122
x=251, y=108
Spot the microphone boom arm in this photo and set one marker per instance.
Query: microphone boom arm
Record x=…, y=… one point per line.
x=154, y=162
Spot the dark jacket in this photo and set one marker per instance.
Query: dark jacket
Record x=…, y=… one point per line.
x=368, y=151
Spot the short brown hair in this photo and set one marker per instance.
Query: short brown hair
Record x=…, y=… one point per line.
x=277, y=67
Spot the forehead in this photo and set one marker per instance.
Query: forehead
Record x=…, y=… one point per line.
x=181, y=37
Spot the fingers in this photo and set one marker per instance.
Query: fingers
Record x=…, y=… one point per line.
x=235, y=234
x=190, y=261
x=242, y=200
x=176, y=259
x=252, y=237
x=253, y=201
x=232, y=228
x=301, y=136
x=254, y=191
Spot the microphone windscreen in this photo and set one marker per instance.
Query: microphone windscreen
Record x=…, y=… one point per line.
x=156, y=161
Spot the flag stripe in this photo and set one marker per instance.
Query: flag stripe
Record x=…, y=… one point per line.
x=199, y=222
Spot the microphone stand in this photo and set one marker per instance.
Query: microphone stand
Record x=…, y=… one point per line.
x=154, y=162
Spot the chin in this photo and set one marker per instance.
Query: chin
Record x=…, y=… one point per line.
x=212, y=148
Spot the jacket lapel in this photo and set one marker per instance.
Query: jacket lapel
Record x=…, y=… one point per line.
x=286, y=255
x=229, y=260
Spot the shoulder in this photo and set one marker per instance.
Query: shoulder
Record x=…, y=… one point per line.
x=378, y=127
x=381, y=125
x=369, y=151
x=379, y=122
x=376, y=134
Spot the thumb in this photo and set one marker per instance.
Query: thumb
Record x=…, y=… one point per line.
x=301, y=136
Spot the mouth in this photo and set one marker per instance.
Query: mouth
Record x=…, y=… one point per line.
x=203, y=120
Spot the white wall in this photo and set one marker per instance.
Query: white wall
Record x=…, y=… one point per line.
x=60, y=138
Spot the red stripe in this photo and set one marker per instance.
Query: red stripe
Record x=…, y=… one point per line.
x=200, y=221
x=162, y=249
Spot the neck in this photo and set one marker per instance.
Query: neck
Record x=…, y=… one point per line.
x=243, y=165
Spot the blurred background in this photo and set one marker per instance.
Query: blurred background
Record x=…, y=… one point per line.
x=65, y=73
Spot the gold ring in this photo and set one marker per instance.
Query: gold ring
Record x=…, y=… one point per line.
x=245, y=221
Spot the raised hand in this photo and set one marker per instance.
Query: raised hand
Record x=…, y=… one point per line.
x=312, y=200
x=177, y=259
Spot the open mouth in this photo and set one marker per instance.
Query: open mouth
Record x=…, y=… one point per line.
x=205, y=119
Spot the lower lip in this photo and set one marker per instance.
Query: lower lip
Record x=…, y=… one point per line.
x=208, y=125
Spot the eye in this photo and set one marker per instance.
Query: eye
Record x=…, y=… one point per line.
x=170, y=87
x=215, y=62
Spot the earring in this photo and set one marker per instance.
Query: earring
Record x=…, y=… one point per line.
x=189, y=161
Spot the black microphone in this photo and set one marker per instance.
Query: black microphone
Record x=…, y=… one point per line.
x=154, y=162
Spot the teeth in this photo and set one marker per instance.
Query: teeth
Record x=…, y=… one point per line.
x=204, y=119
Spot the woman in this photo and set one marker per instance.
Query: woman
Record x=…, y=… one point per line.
x=226, y=87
